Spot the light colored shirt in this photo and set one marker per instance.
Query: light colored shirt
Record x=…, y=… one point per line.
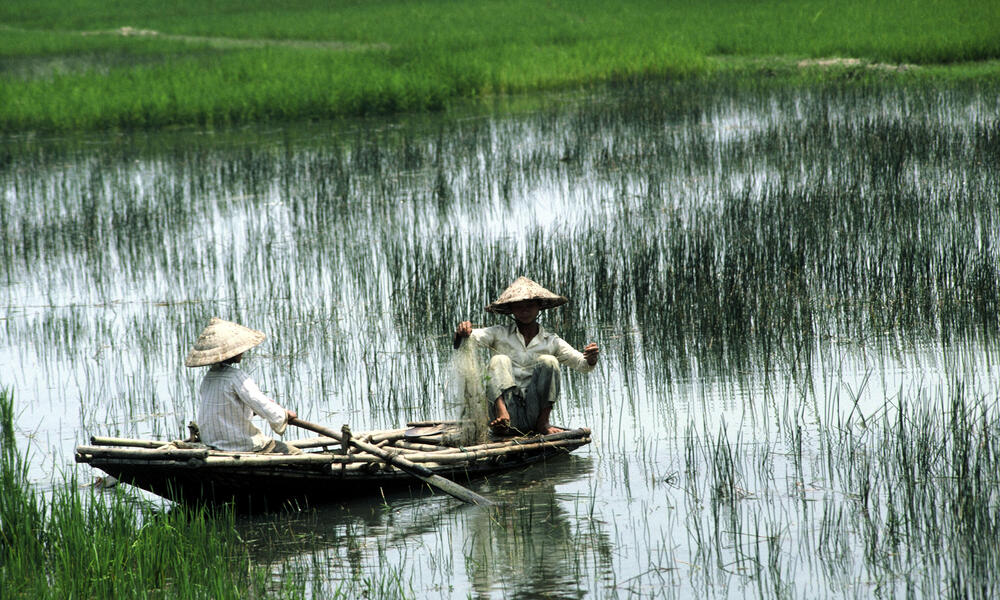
x=507, y=340
x=229, y=399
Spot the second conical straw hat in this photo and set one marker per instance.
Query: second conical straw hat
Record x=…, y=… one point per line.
x=222, y=340
x=525, y=289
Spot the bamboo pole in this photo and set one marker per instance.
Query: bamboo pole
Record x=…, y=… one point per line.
x=253, y=467
x=268, y=460
x=378, y=436
x=134, y=443
x=141, y=453
x=84, y=453
x=431, y=423
x=417, y=446
x=314, y=442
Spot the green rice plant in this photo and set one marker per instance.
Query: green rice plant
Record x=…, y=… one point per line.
x=89, y=67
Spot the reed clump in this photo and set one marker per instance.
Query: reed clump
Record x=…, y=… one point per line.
x=927, y=491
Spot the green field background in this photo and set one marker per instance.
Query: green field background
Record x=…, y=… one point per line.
x=68, y=66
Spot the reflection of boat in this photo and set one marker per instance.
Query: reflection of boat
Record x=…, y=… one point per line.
x=325, y=471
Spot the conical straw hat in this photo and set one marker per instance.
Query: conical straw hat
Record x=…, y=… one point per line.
x=222, y=340
x=525, y=289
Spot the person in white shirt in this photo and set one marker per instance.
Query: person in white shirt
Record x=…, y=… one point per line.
x=230, y=398
x=524, y=370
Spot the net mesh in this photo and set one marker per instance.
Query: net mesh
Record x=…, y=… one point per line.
x=469, y=394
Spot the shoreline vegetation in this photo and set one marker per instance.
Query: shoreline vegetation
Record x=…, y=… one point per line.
x=92, y=66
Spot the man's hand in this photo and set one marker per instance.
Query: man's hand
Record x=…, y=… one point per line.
x=591, y=352
x=464, y=330
x=290, y=415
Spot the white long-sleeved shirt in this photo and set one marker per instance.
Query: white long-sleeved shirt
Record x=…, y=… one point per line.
x=506, y=339
x=229, y=399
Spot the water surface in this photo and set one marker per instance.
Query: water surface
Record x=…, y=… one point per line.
x=771, y=275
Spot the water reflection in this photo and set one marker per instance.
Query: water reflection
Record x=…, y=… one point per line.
x=538, y=541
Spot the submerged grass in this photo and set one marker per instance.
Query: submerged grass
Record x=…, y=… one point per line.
x=404, y=56
x=732, y=235
x=906, y=504
x=69, y=543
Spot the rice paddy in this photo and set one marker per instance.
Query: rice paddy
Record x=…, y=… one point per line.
x=795, y=292
x=93, y=66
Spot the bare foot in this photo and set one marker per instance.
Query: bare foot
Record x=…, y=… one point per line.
x=501, y=424
x=542, y=424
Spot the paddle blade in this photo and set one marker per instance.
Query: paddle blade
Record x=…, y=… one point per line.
x=453, y=489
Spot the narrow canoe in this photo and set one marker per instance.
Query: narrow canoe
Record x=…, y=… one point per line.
x=324, y=472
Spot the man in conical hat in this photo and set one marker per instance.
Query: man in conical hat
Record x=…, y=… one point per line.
x=524, y=370
x=229, y=397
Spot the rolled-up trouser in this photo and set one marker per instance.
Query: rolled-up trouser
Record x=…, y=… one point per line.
x=522, y=405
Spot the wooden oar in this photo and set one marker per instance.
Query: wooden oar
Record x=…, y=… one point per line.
x=419, y=471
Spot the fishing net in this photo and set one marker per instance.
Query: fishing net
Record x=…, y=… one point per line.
x=469, y=394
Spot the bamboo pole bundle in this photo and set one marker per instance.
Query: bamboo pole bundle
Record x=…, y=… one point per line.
x=426, y=454
x=454, y=457
x=583, y=432
x=451, y=455
x=511, y=443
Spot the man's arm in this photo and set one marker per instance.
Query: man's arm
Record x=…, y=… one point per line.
x=483, y=336
x=276, y=416
x=581, y=361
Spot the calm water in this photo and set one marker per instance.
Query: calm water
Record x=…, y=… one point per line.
x=771, y=275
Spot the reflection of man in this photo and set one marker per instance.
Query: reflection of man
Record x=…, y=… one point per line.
x=536, y=553
x=229, y=397
x=523, y=373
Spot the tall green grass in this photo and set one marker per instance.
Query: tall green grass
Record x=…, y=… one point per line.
x=405, y=57
x=70, y=543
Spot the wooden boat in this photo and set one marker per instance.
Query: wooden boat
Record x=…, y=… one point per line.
x=325, y=471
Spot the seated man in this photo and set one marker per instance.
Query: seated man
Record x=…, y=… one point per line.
x=523, y=373
x=229, y=397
